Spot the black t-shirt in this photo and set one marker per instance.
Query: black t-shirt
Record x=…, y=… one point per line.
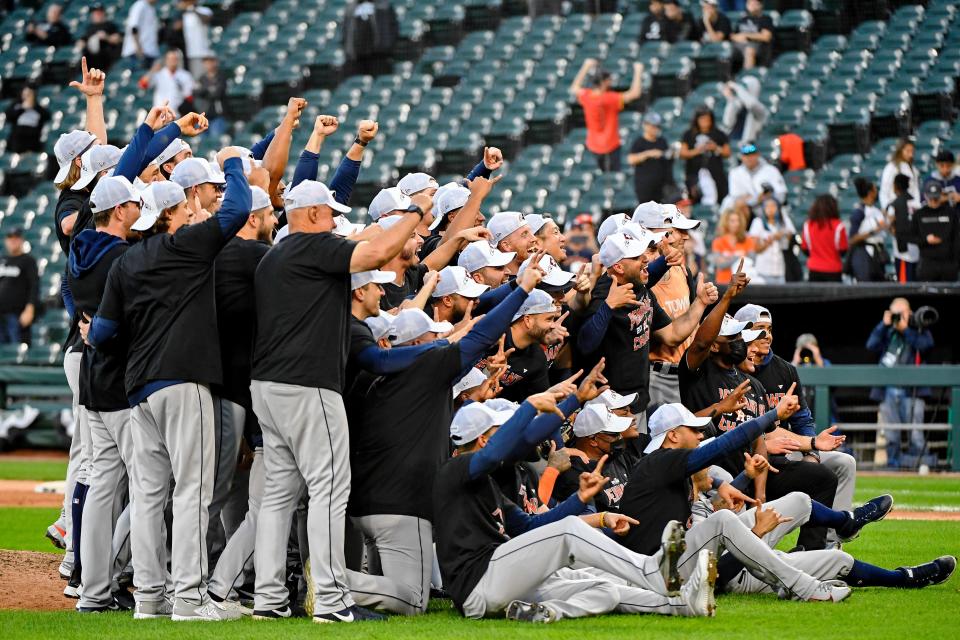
x=528, y=371
x=720, y=23
x=394, y=294
x=472, y=526
x=755, y=24
x=677, y=30
x=430, y=243
x=18, y=282
x=403, y=437
x=25, y=128
x=303, y=311
x=776, y=378
x=651, y=176
x=712, y=383
x=236, y=312
x=652, y=28
x=659, y=491
x=68, y=203
x=520, y=483
x=617, y=469
x=361, y=337
x=709, y=160
x=162, y=289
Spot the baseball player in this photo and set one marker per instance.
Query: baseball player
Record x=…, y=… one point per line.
x=511, y=234
x=485, y=264
x=550, y=240
x=162, y=292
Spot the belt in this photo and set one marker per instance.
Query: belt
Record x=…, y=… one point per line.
x=667, y=368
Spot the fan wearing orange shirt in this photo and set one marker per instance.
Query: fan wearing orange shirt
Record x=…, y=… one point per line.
x=731, y=243
x=601, y=110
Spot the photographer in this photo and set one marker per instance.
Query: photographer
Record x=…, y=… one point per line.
x=898, y=340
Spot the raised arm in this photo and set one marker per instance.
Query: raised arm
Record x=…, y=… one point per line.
x=237, y=199
x=383, y=361
x=636, y=85
x=731, y=441
x=577, y=86
x=709, y=329
x=278, y=150
x=91, y=87
x=373, y=254
x=309, y=161
x=467, y=217
x=680, y=329
x=347, y=173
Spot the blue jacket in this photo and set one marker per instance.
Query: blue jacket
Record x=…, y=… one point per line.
x=917, y=343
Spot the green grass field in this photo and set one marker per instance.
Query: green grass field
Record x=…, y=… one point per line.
x=869, y=613
x=27, y=469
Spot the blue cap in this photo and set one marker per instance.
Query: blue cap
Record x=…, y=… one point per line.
x=748, y=148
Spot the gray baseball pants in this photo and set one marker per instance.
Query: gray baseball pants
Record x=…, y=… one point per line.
x=404, y=545
x=236, y=561
x=79, y=449
x=844, y=466
x=305, y=441
x=173, y=433
x=539, y=566
x=228, y=419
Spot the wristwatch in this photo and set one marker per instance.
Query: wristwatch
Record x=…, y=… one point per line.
x=813, y=444
x=413, y=208
x=360, y=142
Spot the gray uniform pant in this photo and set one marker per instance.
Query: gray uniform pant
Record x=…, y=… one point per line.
x=305, y=440
x=112, y=456
x=726, y=530
x=236, y=561
x=664, y=387
x=554, y=564
x=228, y=418
x=80, y=448
x=172, y=434
x=404, y=545
x=844, y=466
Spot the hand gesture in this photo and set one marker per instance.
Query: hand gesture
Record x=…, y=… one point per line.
x=367, y=130
x=619, y=523
x=491, y=386
x=259, y=177
x=581, y=284
x=735, y=401
x=92, y=80
x=706, y=291
x=481, y=186
x=533, y=274
x=475, y=233
x=756, y=465
x=500, y=358
x=566, y=387
x=295, y=107
x=767, y=521
x=546, y=402
x=738, y=282
x=226, y=153
x=826, y=441
x=325, y=126
x=559, y=459
x=734, y=498
x=781, y=446
x=621, y=295
x=423, y=201
x=591, y=482
x=557, y=332
x=193, y=124
x=638, y=67
x=159, y=116
x=594, y=384
x=430, y=280
x=463, y=327
x=492, y=158
x=789, y=404
x=596, y=270
x=590, y=63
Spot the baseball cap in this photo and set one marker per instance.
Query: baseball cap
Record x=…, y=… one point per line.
x=112, y=191
x=944, y=155
x=653, y=215
x=610, y=226
x=343, y=227
x=652, y=118
x=502, y=404
x=933, y=189
x=413, y=323
x=16, y=232
x=731, y=327
x=416, y=182
x=553, y=273
x=309, y=193
x=583, y=218
x=363, y=278
x=449, y=197
x=157, y=197
x=474, y=378
x=480, y=254
x=749, y=335
x=619, y=246
x=537, y=302
x=748, y=149
x=176, y=146
x=753, y=313
x=597, y=418
x=613, y=400
x=194, y=171
x=636, y=232
x=68, y=147
x=380, y=325
x=260, y=199
x=667, y=418
x=97, y=158
x=387, y=201
x=503, y=224
x=473, y=420
x=536, y=221
x=455, y=280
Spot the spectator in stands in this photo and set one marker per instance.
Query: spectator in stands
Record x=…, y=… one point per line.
x=26, y=119
x=936, y=226
x=705, y=147
x=824, y=240
x=900, y=344
x=652, y=27
x=678, y=25
x=714, y=25
x=901, y=161
x=731, y=243
x=744, y=114
x=868, y=236
x=906, y=252
x=754, y=36
x=196, y=39
x=652, y=162
x=208, y=95
x=756, y=180
x=946, y=175
x=102, y=40
x=601, y=108
x=772, y=230
x=581, y=240
x=370, y=32
x=169, y=81
x=141, y=38
x=52, y=33
x=18, y=291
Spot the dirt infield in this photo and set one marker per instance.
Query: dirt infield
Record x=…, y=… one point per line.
x=29, y=580
x=47, y=455
x=22, y=493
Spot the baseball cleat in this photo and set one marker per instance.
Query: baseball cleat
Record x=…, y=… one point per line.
x=72, y=590
x=233, y=605
x=148, y=610
x=697, y=592
x=272, y=614
x=530, y=612
x=65, y=570
x=930, y=573
x=57, y=535
x=124, y=600
x=830, y=591
x=873, y=510
x=105, y=609
x=672, y=545
x=209, y=611
x=350, y=614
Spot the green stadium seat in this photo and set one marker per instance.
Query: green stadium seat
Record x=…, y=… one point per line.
x=794, y=31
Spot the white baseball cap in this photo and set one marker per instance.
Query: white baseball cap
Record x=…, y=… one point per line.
x=598, y=418
x=415, y=183
x=553, y=274
x=194, y=171
x=667, y=418
x=613, y=400
x=653, y=215
x=536, y=221
x=309, y=193
x=644, y=235
x=619, y=246
x=610, y=226
x=261, y=200
x=157, y=197
x=112, y=191
x=473, y=420
x=749, y=335
x=343, y=227
x=413, y=323
x=730, y=327
x=537, y=302
x=363, y=278
x=480, y=254
x=503, y=224
x=474, y=378
x=176, y=146
x=386, y=202
x=502, y=404
x=380, y=325
x=753, y=313
x=97, y=158
x=455, y=280
x=68, y=147
x=449, y=197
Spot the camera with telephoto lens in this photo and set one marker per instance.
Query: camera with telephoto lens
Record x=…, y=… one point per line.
x=922, y=318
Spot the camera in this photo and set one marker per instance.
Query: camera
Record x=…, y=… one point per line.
x=924, y=317
x=895, y=318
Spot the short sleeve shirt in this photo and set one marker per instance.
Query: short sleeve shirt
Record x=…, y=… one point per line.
x=600, y=111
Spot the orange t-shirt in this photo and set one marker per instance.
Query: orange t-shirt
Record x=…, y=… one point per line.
x=600, y=111
x=791, y=152
x=725, y=245
x=673, y=294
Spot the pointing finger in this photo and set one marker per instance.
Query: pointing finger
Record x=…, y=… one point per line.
x=792, y=387
x=600, y=464
x=740, y=266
